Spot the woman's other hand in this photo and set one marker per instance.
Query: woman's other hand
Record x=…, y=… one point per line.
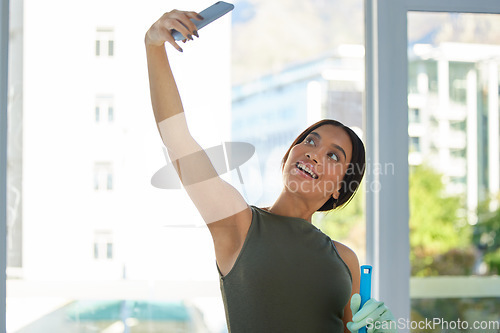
x=375, y=315
x=161, y=31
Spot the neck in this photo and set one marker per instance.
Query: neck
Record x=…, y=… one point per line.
x=292, y=205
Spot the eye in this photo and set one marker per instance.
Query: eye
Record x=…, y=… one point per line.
x=333, y=156
x=309, y=140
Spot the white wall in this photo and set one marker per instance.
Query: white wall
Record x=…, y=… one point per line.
x=62, y=77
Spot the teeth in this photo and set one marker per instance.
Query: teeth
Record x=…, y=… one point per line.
x=306, y=169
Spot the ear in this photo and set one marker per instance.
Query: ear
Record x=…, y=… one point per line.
x=336, y=194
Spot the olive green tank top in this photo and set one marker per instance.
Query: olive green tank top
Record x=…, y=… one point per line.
x=288, y=277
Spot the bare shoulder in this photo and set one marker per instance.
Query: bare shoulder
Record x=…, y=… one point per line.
x=352, y=262
x=347, y=254
x=350, y=258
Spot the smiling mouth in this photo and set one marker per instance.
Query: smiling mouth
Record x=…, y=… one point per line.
x=306, y=170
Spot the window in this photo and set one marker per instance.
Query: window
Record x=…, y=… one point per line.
x=457, y=153
x=458, y=180
x=414, y=115
x=414, y=143
x=458, y=125
x=104, y=109
x=109, y=250
x=447, y=186
x=422, y=74
x=458, y=72
x=104, y=43
x=103, y=177
x=103, y=245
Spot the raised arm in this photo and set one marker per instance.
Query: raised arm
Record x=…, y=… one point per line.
x=222, y=207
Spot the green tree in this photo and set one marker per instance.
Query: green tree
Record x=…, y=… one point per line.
x=440, y=239
x=487, y=235
x=346, y=224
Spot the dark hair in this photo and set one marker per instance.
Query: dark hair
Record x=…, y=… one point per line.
x=355, y=171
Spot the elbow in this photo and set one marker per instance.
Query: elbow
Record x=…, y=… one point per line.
x=174, y=131
x=179, y=146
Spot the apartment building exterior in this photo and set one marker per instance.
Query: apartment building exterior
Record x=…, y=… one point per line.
x=453, y=116
x=83, y=147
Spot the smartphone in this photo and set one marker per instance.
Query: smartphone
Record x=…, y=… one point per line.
x=210, y=14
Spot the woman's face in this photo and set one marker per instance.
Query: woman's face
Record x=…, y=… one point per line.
x=315, y=167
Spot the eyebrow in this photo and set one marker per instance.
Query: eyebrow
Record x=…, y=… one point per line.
x=333, y=144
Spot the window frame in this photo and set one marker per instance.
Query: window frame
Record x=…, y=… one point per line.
x=387, y=230
x=4, y=53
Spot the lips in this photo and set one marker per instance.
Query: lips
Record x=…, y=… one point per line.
x=306, y=169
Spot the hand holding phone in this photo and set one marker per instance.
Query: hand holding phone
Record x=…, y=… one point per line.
x=209, y=15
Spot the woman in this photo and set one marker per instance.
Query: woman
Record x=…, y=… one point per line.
x=278, y=272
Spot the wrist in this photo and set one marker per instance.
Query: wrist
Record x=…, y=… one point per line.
x=148, y=41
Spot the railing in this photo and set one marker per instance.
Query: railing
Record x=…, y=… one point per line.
x=455, y=287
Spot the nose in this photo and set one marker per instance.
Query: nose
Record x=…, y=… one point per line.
x=312, y=157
